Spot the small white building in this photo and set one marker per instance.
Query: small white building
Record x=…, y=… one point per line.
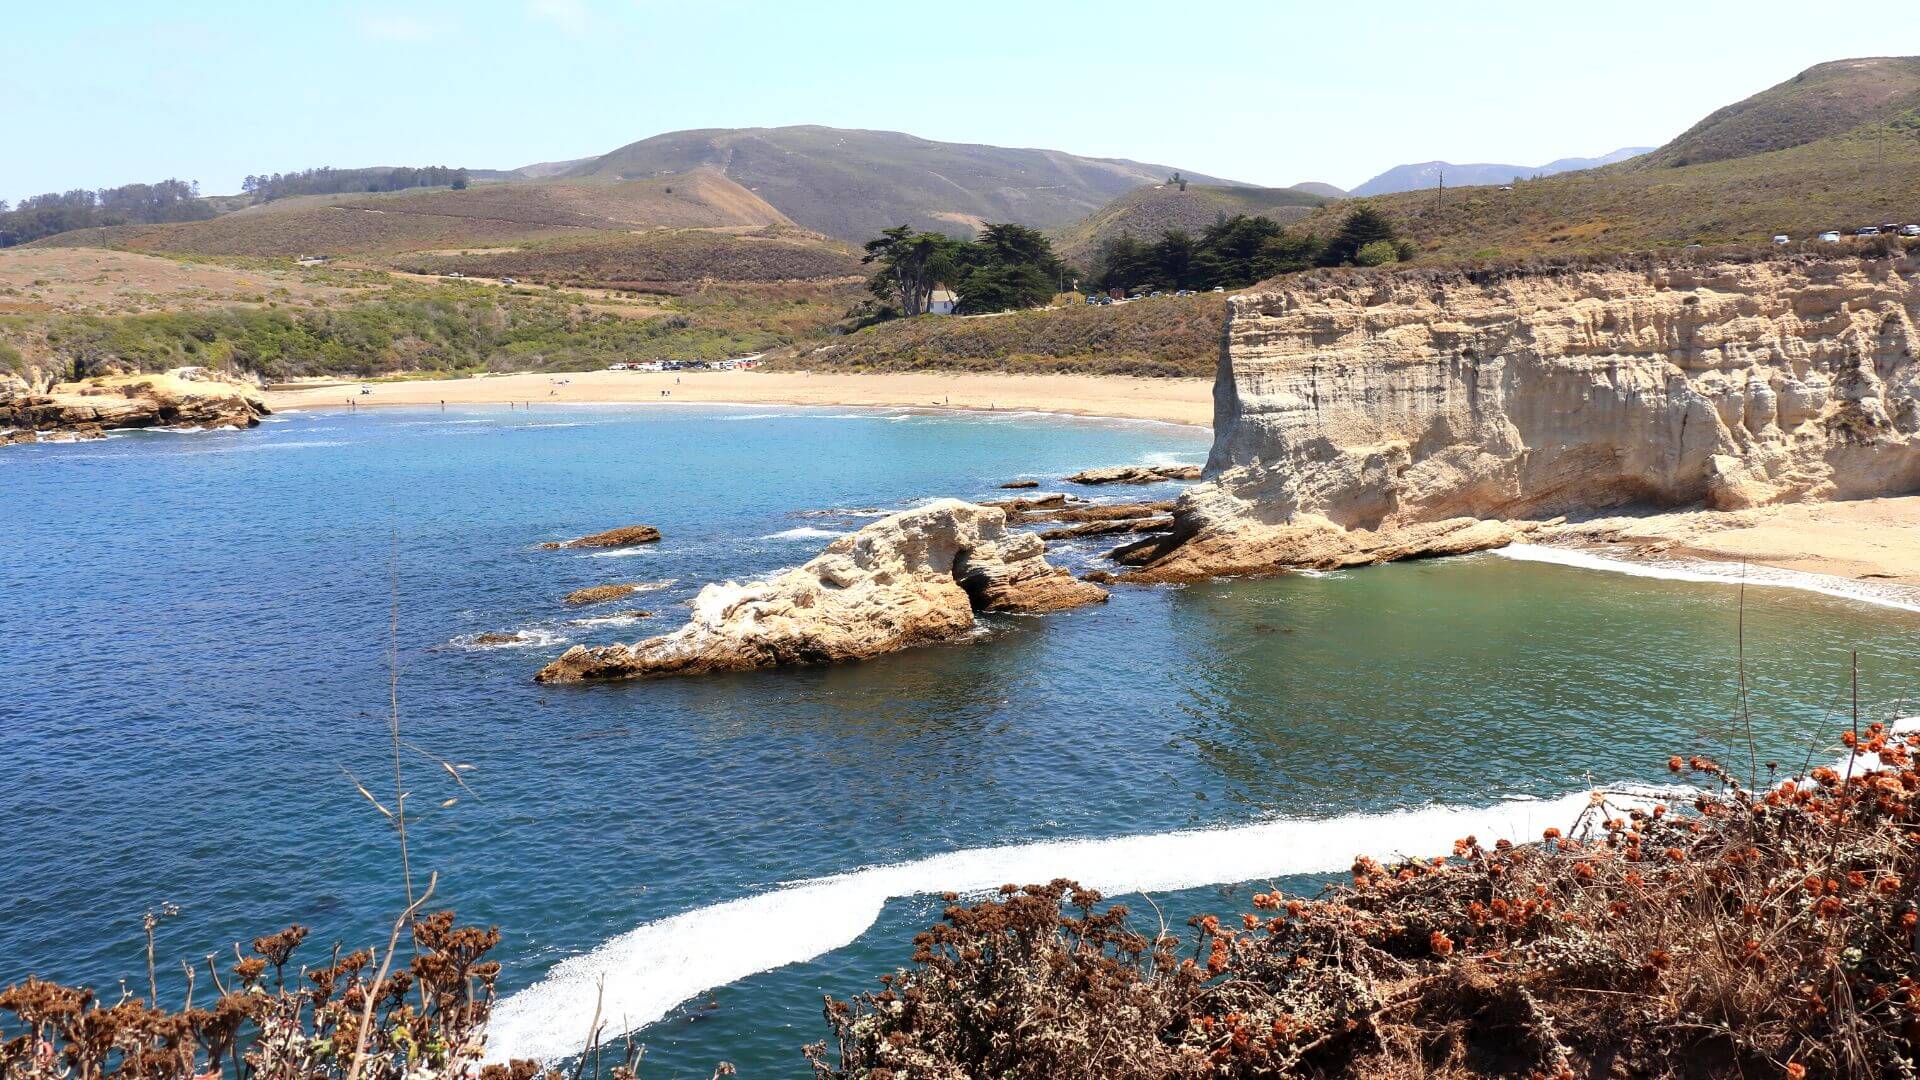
x=941, y=302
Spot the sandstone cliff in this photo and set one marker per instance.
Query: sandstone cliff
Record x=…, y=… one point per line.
x=1360, y=417
x=909, y=579
x=184, y=397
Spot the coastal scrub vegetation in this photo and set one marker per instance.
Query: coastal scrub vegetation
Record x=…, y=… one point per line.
x=1174, y=336
x=347, y=1015
x=1240, y=250
x=1750, y=927
x=440, y=328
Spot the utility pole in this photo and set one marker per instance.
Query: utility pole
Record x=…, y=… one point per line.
x=1440, y=191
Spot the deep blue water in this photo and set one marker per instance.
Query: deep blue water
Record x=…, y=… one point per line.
x=193, y=659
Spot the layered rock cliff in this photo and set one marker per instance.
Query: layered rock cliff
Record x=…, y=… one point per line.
x=1360, y=417
x=910, y=579
x=185, y=397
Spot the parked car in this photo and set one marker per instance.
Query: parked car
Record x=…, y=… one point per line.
x=1870, y=230
x=1691, y=247
x=1831, y=236
x=1782, y=238
x=1910, y=230
x=508, y=281
x=1219, y=288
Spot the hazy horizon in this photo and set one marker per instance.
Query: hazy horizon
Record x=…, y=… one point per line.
x=1275, y=95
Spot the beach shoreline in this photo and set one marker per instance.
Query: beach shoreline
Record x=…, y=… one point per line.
x=1869, y=547
x=1173, y=401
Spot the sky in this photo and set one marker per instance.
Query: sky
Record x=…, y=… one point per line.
x=109, y=92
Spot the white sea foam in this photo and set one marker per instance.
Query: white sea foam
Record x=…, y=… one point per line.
x=605, y=620
x=530, y=638
x=646, y=972
x=852, y=512
x=1166, y=460
x=621, y=553
x=1721, y=573
x=804, y=532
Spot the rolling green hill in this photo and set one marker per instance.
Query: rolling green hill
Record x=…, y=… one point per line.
x=1836, y=147
x=1147, y=212
x=851, y=184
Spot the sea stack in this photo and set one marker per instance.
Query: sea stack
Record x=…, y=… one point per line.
x=914, y=578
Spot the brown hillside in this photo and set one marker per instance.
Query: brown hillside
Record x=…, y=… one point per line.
x=1822, y=101
x=1866, y=174
x=1147, y=212
x=429, y=218
x=1167, y=337
x=653, y=257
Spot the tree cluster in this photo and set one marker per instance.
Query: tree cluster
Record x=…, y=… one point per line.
x=1005, y=268
x=327, y=180
x=1240, y=250
x=83, y=208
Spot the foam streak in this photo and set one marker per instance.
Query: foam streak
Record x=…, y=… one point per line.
x=649, y=970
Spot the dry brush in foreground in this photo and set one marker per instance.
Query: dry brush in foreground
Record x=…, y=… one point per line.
x=1765, y=931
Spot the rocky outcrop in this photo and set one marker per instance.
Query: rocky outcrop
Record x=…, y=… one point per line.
x=910, y=579
x=625, y=536
x=600, y=594
x=185, y=397
x=1136, y=474
x=1360, y=417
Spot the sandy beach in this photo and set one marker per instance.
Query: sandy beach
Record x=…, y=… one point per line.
x=1179, y=401
x=1872, y=540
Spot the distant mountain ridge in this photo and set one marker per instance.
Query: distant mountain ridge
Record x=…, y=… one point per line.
x=853, y=183
x=1428, y=174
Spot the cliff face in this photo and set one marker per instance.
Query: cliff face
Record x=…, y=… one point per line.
x=1376, y=416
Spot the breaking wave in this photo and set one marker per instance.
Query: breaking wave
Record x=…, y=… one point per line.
x=804, y=532
x=647, y=971
x=1720, y=573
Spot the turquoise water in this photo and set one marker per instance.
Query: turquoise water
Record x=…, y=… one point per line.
x=195, y=645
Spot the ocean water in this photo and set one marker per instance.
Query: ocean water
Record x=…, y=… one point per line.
x=193, y=672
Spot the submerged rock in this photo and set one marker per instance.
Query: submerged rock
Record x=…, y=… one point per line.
x=600, y=594
x=1135, y=474
x=1161, y=523
x=496, y=637
x=1018, y=485
x=1104, y=511
x=1030, y=503
x=625, y=536
x=913, y=578
x=190, y=397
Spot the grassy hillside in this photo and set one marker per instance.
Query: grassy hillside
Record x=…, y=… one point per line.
x=416, y=327
x=1822, y=101
x=438, y=218
x=1171, y=336
x=1147, y=212
x=852, y=184
x=655, y=259
x=1866, y=174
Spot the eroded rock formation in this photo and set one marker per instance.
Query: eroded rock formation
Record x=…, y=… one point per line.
x=910, y=579
x=1135, y=474
x=185, y=397
x=1361, y=417
x=624, y=536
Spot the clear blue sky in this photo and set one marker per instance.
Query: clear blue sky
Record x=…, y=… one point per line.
x=106, y=92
